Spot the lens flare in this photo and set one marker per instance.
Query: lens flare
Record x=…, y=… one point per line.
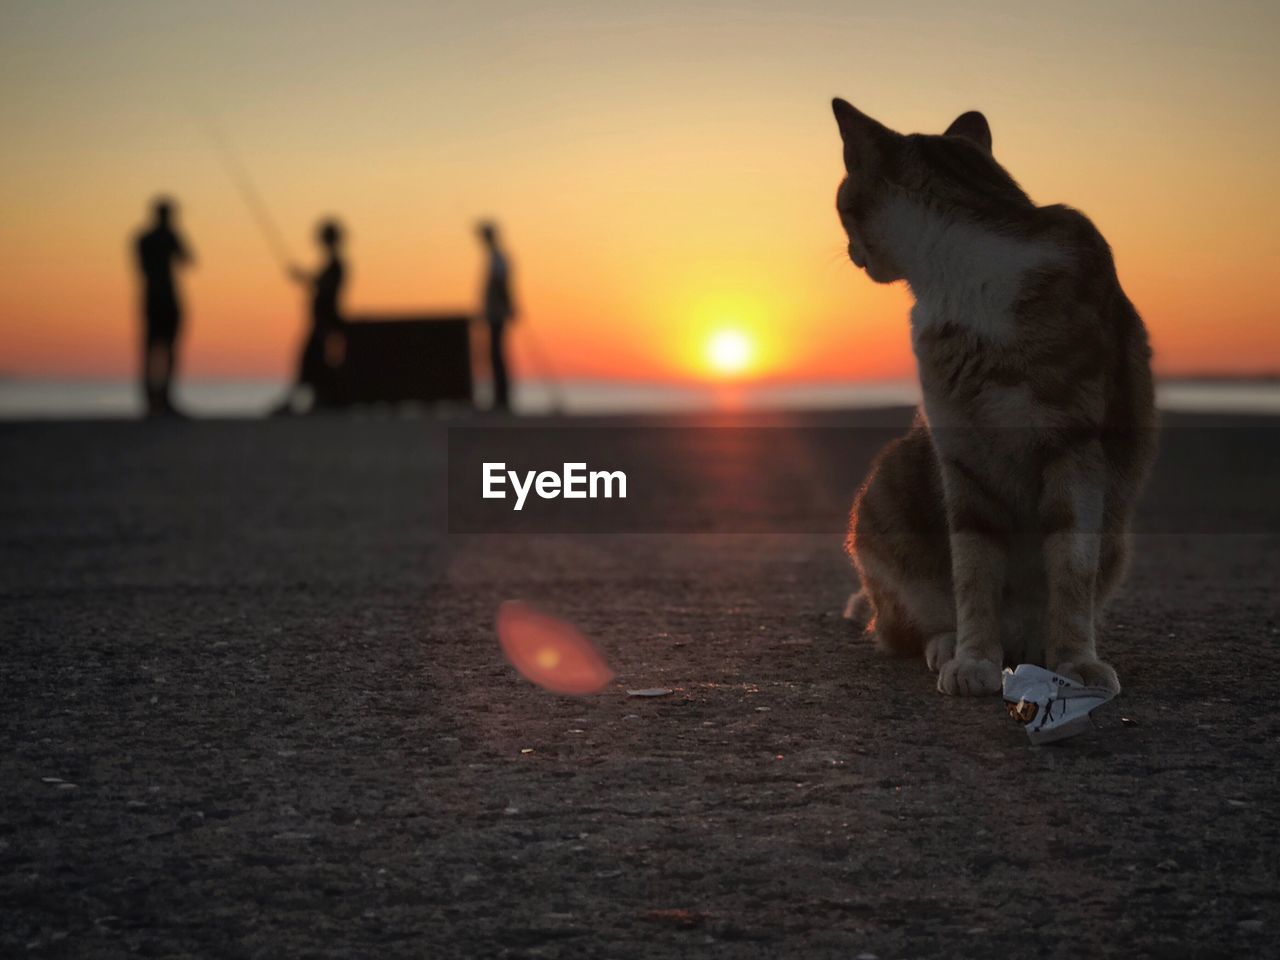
x=549, y=651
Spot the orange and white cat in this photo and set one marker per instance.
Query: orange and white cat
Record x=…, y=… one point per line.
x=996, y=530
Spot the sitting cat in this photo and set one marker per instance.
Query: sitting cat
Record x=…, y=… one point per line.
x=996, y=530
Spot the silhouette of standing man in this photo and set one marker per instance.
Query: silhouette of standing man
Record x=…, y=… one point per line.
x=325, y=348
x=159, y=250
x=499, y=310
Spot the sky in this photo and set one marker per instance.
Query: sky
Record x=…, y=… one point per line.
x=664, y=172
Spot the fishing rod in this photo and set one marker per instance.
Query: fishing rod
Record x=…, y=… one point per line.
x=548, y=372
x=238, y=174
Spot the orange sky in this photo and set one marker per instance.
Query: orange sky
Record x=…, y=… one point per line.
x=660, y=173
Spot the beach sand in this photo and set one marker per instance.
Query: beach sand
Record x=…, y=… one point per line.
x=252, y=705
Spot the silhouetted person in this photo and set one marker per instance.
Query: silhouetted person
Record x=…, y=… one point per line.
x=325, y=347
x=499, y=310
x=159, y=250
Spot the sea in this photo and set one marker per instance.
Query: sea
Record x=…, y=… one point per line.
x=32, y=398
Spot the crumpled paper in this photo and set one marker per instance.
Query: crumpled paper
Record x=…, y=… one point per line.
x=1050, y=707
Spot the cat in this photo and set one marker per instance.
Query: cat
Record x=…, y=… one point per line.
x=995, y=531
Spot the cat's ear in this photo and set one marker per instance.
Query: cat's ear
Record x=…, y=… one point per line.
x=863, y=137
x=972, y=126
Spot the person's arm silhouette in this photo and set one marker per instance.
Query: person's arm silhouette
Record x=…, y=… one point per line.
x=182, y=253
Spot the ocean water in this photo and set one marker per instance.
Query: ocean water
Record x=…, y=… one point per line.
x=34, y=398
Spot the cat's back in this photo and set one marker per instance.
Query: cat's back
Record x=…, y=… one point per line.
x=1077, y=304
x=1085, y=342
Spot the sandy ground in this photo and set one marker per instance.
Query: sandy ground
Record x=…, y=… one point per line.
x=251, y=705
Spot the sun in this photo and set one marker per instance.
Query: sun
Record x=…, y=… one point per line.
x=729, y=351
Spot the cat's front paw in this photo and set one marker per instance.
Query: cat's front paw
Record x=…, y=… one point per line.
x=966, y=676
x=940, y=649
x=1090, y=672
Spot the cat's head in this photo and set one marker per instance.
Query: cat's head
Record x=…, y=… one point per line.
x=953, y=177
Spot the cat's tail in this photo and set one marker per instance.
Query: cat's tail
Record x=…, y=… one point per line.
x=883, y=621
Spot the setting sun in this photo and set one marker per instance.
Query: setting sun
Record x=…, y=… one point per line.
x=729, y=351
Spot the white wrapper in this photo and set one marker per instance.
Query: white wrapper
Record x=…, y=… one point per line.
x=1050, y=706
